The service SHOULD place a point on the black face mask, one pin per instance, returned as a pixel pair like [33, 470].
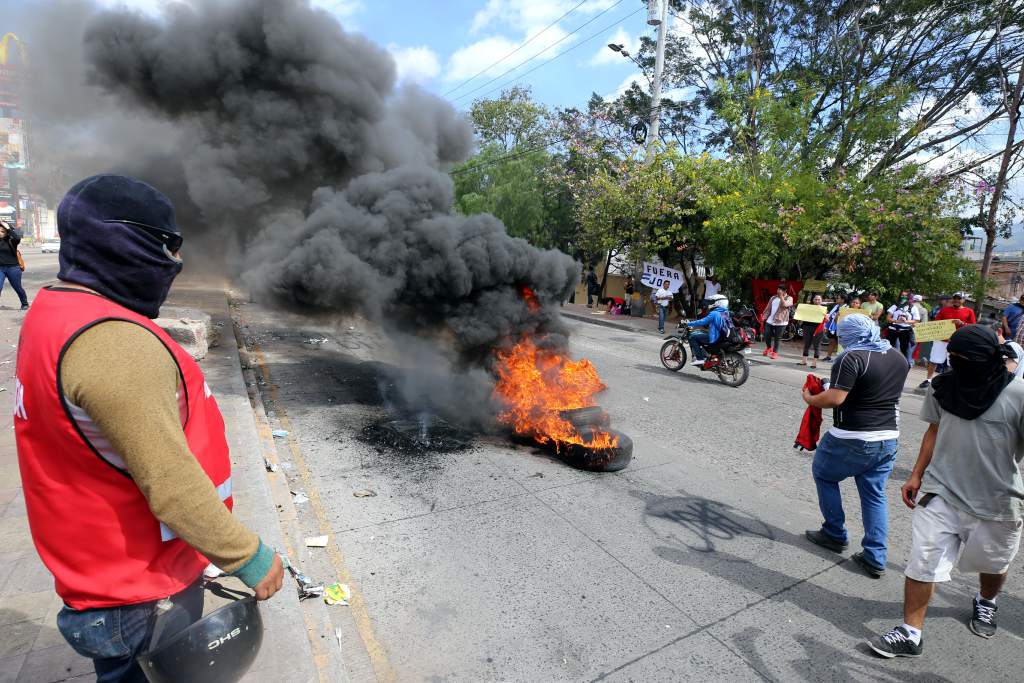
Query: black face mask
[978, 375]
[109, 244]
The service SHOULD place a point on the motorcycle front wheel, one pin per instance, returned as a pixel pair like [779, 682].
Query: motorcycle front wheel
[673, 355]
[733, 369]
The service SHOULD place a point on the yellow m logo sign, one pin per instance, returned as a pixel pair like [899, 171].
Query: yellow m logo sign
[5, 49]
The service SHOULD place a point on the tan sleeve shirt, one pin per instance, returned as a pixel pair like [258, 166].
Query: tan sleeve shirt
[126, 381]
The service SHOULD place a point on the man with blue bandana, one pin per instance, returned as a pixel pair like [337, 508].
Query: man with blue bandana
[864, 393]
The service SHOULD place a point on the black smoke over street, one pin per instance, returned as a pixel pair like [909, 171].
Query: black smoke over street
[286, 141]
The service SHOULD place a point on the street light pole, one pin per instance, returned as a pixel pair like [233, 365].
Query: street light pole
[659, 19]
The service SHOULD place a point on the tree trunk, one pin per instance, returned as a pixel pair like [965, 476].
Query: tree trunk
[1013, 109]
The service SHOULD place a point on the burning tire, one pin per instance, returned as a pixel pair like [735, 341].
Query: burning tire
[581, 418]
[584, 457]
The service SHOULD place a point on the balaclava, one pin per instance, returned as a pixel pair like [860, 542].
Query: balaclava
[109, 228]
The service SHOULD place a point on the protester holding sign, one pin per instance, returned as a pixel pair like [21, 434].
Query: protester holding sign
[811, 317]
[903, 315]
[960, 315]
[776, 317]
[830, 325]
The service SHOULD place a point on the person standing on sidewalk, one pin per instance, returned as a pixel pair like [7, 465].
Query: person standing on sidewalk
[124, 462]
[864, 393]
[831, 323]
[1013, 317]
[776, 318]
[593, 286]
[966, 489]
[922, 312]
[10, 267]
[873, 307]
[663, 296]
[960, 315]
[902, 316]
[812, 337]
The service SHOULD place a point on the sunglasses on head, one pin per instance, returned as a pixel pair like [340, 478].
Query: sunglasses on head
[171, 240]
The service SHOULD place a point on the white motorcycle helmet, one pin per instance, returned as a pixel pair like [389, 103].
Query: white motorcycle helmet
[719, 301]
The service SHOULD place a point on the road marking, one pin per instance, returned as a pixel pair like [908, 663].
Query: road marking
[382, 668]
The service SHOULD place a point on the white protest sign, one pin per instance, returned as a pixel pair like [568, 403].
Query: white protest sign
[654, 275]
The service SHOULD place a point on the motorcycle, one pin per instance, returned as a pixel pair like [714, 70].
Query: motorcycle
[726, 360]
[746, 319]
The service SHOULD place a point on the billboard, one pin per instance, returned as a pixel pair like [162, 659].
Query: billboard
[12, 143]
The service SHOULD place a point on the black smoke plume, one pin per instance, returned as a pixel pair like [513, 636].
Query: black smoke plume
[287, 139]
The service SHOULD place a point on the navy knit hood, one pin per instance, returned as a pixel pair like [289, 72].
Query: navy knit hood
[100, 248]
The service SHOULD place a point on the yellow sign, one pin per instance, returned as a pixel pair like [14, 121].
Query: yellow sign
[810, 313]
[814, 286]
[843, 312]
[5, 46]
[937, 330]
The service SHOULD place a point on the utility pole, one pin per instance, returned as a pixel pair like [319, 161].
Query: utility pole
[657, 15]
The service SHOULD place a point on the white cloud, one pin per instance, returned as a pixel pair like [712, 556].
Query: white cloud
[627, 83]
[343, 9]
[467, 61]
[531, 15]
[416, 64]
[605, 56]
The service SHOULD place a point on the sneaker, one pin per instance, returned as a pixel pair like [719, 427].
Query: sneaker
[697, 361]
[925, 384]
[896, 643]
[774, 356]
[873, 571]
[819, 537]
[24, 307]
[766, 352]
[983, 623]
[826, 359]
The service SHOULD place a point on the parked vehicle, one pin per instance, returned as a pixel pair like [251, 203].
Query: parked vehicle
[50, 246]
[747, 319]
[725, 358]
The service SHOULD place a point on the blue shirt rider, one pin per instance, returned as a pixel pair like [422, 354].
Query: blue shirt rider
[717, 323]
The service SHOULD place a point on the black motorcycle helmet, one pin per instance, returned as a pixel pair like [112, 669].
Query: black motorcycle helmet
[219, 648]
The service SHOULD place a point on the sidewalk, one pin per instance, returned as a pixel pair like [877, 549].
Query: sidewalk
[31, 648]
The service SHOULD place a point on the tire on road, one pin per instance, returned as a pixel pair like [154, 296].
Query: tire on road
[673, 354]
[594, 416]
[598, 459]
[734, 369]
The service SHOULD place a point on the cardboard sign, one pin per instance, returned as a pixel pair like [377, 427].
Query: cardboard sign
[843, 312]
[654, 275]
[810, 313]
[937, 330]
[815, 286]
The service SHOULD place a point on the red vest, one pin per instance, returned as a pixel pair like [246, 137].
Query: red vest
[90, 522]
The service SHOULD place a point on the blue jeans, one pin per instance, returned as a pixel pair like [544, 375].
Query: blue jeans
[662, 314]
[112, 637]
[697, 342]
[13, 273]
[869, 463]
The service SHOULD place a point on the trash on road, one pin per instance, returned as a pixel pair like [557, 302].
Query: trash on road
[316, 541]
[298, 497]
[316, 341]
[337, 635]
[647, 398]
[271, 466]
[212, 572]
[306, 586]
[364, 493]
[279, 433]
[337, 594]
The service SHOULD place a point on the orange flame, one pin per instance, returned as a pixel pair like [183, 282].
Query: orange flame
[535, 385]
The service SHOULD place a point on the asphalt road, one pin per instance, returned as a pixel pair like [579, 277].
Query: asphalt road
[501, 564]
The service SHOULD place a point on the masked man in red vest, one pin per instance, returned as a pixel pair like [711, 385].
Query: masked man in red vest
[121, 445]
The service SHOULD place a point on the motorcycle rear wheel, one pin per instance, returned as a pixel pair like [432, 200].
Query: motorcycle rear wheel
[733, 369]
[673, 355]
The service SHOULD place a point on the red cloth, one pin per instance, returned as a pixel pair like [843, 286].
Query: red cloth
[810, 426]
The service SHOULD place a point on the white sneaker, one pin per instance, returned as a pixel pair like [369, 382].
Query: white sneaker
[696, 361]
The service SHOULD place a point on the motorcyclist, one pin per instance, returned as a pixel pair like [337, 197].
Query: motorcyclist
[717, 322]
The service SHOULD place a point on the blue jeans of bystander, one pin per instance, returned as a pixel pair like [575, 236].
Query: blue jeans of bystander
[869, 463]
[13, 273]
[113, 637]
[662, 315]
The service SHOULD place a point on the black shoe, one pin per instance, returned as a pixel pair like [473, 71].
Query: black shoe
[983, 623]
[873, 571]
[896, 643]
[819, 537]
[925, 384]
[24, 307]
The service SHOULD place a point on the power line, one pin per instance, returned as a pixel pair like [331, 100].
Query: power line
[531, 39]
[560, 54]
[532, 57]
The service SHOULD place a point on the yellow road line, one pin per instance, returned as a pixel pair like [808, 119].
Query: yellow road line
[361, 616]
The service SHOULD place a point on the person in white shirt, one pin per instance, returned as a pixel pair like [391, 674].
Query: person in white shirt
[663, 295]
[903, 315]
[712, 287]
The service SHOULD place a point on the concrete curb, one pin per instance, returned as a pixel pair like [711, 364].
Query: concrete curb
[604, 323]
